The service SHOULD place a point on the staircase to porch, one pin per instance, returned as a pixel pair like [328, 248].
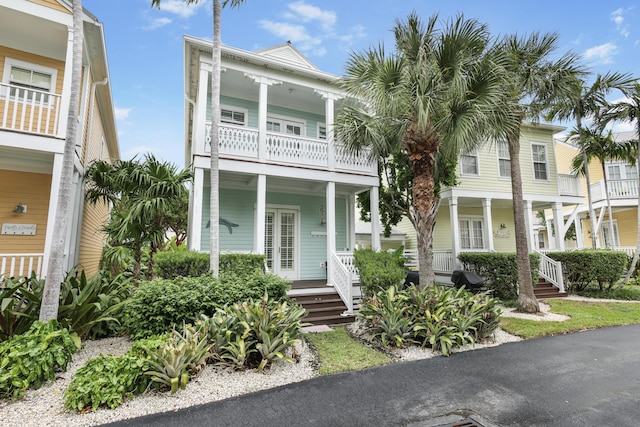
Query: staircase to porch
[545, 289]
[323, 304]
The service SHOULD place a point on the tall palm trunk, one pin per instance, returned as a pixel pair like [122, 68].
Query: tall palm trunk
[609, 212]
[214, 197]
[587, 177]
[55, 270]
[527, 301]
[634, 261]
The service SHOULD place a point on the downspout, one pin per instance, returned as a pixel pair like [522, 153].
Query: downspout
[190, 220]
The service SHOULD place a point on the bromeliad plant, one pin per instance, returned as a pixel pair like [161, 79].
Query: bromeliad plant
[20, 299]
[254, 334]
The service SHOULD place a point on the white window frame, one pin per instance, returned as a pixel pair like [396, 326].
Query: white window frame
[284, 121]
[471, 220]
[472, 153]
[616, 234]
[623, 171]
[12, 62]
[234, 109]
[534, 161]
[319, 127]
[501, 157]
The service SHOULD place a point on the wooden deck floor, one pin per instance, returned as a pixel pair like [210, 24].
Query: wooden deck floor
[308, 284]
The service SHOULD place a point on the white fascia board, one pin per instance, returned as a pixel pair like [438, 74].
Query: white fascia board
[494, 195]
[38, 10]
[33, 142]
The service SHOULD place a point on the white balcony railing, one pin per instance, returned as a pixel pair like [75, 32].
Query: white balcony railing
[551, 270]
[618, 189]
[568, 185]
[29, 110]
[12, 265]
[243, 142]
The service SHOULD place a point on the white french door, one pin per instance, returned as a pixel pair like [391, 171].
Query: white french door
[281, 242]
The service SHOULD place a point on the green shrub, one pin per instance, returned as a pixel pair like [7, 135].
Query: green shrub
[20, 300]
[108, 380]
[172, 264]
[601, 266]
[500, 270]
[438, 317]
[160, 305]
[253, 334]
[378, 270]
[30, 359]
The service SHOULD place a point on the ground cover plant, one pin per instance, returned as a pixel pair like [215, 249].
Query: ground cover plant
[584, 315]
[626, 293]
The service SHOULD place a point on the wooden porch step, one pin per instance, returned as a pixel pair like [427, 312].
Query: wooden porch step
[323, 308]
[544, 290]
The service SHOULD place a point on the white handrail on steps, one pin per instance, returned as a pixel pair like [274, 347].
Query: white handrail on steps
[551, 270]
[342, 282]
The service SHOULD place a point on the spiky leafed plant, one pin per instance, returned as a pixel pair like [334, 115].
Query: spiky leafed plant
[628, 110]
[532, 83]
[214, 198]
[582, 102]
[431, 97]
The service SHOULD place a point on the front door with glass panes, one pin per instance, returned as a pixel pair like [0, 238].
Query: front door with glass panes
[280, 242]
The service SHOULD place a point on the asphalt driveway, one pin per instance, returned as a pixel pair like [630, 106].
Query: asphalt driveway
[589, 378]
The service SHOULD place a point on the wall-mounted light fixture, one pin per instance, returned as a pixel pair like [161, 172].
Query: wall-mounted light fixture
[20, 208]
[323, 221]
[503, 226]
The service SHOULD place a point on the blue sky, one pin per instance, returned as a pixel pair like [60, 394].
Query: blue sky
[144, 44]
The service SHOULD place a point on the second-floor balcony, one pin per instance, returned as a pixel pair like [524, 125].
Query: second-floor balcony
[28, 110]
[568, 185]
[244, 143]
[618, 189]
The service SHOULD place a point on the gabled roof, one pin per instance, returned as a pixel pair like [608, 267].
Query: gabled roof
[286, 52]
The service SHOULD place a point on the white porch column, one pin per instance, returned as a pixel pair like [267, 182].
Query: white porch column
[66, 89]
[199, 126]
[552, 241]
[194, 235]
[455, 231]
[331, 226]
[559, 222]
[329, 111]
[579, 232]
[263, 83]
[528, 220]
[486, 212]
[56, 174]
[375, 218]
[351, 221]
[261, 210]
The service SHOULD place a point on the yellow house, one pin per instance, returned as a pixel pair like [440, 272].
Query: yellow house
[36, 41]
[622, 183]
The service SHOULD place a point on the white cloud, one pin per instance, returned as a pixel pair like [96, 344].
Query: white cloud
[602, 54]
[297, 34]
[157, 23]
[122, 113]
[306, 13]
[180, 8]
[618, 18]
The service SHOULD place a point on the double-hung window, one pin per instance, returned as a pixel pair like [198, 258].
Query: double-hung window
[504, 160]
[471, 233]
[29, 82]
[322, 131]
[540, 169]
[469, 163]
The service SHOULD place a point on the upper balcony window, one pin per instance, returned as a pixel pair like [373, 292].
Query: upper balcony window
[29, 82]
[286, 126]
[540, 167]
[233, 116]
[504, 160]
[469, 163]
[322, 131]
[616, 172]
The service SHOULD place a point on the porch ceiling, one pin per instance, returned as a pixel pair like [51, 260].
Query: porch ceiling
[25, 160]
[501, 203]
[26, 32]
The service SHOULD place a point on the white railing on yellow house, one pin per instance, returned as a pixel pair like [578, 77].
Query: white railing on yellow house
[443, 260]
[13, 265]
[29, 110]
[243, 142]
[551, 270]
[618, 189]
[568, 185]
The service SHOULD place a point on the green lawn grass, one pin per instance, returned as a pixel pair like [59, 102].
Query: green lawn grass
[584, 315]
[339, 352]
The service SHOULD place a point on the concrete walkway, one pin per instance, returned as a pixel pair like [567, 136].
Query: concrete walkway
[589, 378]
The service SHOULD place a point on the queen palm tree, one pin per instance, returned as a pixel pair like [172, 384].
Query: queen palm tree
[532, 83]
[55, 269]
[582, 102]
[214, 197]
[629, 111]
[429, 98]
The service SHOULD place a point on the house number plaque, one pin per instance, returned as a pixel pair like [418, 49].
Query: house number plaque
[19, 229]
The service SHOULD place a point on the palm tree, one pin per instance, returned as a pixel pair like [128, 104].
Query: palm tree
[596, 145]
[629, 111]
[581, 102]
[143, 195]
[55, 270]
[431, 97]
[214, 198]
[532, 83]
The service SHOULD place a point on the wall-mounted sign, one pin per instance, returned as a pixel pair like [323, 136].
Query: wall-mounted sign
[19, 229]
